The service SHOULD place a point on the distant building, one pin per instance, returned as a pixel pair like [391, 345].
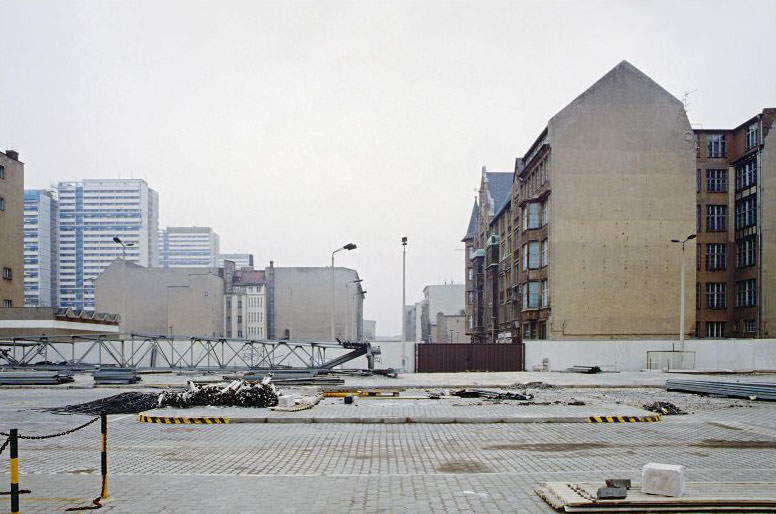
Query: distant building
[370, 329]
[409, 322]
[41, 257]
[163, 301]
[240, 260]
[189, 247]
[91, 213]
[451, 328]
[11, 230]
[245, 304]
[445, 299]
[300, 303]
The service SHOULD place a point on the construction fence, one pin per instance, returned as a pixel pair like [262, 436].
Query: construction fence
[451, 357]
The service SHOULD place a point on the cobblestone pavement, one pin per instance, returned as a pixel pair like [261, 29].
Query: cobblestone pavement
[364, 468]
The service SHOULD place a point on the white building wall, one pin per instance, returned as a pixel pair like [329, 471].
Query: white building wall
[40, 243]
[189, 247]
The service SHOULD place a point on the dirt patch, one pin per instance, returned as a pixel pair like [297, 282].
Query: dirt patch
[548, 447]
[724, 443]
[722, 425]
[463, 466]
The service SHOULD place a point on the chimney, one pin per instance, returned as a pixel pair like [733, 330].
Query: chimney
[12, 154]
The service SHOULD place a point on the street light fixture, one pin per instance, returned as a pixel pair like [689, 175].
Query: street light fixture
[124, 246]
[349, 246]
[681, 291]
[403, 303]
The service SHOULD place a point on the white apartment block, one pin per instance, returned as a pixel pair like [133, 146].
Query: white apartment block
[40, 248]
[189, 247]
[91, 213]
[245, 312]
[240, 260]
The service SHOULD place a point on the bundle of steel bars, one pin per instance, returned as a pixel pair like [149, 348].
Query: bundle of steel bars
[749, 390]
[109, 375]
[35, 377]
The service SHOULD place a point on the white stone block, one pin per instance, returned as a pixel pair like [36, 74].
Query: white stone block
[663, 479]
[286, 400]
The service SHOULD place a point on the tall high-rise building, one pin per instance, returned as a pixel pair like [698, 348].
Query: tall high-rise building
[41, 212]
[240, 260]
[188, 247]
[92, 213]
[11, 230]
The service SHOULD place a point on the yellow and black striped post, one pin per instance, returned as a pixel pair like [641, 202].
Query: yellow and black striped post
[14, 471]
[104, 453]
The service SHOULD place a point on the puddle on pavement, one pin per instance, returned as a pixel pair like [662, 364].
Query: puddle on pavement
[548, 447]
[463, 466]
[724, 443]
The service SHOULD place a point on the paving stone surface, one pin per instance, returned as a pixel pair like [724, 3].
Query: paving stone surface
[364, 468]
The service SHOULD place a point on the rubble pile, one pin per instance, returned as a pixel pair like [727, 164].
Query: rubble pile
[666, 408]
[237, 393]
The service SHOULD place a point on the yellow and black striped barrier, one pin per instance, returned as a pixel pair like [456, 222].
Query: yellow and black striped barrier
[142, 418]
[14, 435]
[104, 454]
[623, 419]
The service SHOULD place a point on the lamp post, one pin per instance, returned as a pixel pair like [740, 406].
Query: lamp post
[403, 303]
[124, 246]
[681, 292]
[349, 246]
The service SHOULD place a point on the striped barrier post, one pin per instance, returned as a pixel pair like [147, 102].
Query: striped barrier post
[14, 471]
[104, 453]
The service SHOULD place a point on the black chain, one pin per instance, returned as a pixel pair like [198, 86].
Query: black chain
[8, 440]
[55, 435]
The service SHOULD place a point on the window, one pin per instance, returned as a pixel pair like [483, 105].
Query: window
[698, 257]
[542, 330]
[698, 219]
[746, 291]
[7, 273]
[531, 215]
[545, 298]
[2, 203]
[746, 175]
[544, 252]
[698, 180]
[2, 172]
[470, 297]
[471, 322]
[698, 303]
[525, 257]
[544, 213]
[716, 256]
[715, 145]
[716, 181]
[471, 273]
[716, 218]
[745, 252]
[716, 295]
[750, 326]
[533, 254]
[715, 329]
[471, 252]
[746, 212]
[751, 135]
[7, 303]
[533, 295]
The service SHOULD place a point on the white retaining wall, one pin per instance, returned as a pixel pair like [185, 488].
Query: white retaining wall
[735, 354]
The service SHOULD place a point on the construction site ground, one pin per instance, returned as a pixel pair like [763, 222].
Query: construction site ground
[403, 467]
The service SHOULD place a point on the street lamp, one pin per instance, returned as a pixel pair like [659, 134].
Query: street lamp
[403, 303]
[349, 246]
[124, 246]
[681, 292]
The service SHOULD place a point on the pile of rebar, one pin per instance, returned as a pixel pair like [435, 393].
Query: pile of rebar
[238, 393]
[110, 375]
[125, 403]
[751, 390]
[35, 377]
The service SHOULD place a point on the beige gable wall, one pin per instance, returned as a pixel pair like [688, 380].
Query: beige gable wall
[623, 184]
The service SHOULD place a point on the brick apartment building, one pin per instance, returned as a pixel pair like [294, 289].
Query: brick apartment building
[11, 230]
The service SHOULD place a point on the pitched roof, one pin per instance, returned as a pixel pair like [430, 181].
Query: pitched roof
[472, 223]
[499, 187]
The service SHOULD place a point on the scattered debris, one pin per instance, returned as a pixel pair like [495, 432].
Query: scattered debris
[584, 369]
[536, 385]
[491, 395]
[238, 393]
[667, 408]
[618, 482]
[124, 403]
[35, 377]
[304, 403]
[611, 493]
[574, 401]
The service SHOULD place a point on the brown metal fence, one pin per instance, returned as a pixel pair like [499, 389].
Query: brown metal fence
[444, 357]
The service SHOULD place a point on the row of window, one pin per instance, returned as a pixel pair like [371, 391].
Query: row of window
[716, 254]
[718, 329]
[716, 215]
[716, 294]
[534, 215]
[535, 254]
[535, 295]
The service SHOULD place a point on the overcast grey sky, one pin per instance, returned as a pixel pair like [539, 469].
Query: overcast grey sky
[292, 128]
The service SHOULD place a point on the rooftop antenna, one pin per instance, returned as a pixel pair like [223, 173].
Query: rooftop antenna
[685, 98]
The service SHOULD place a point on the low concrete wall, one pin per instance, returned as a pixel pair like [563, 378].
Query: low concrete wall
[735, 354]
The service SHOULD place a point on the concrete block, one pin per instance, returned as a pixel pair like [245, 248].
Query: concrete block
[286, 400]
[663, 479]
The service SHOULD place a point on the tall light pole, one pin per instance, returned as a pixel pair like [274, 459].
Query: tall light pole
[349, 246]
[124, 246]
[403, 303]
[681, 292]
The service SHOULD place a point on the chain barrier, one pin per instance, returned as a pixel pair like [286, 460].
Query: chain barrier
[7, 440]
[60, 434]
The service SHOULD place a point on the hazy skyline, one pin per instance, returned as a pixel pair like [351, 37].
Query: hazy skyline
[292, 128]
